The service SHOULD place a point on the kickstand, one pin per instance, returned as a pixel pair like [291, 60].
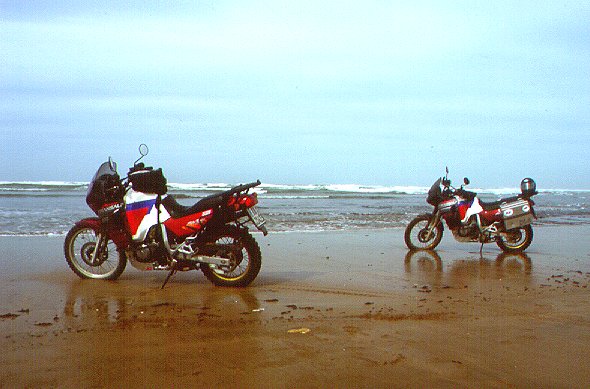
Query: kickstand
[172, 271]
[481, 251]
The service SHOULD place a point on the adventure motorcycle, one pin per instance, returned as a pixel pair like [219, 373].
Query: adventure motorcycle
[506, 222]
[139, 222]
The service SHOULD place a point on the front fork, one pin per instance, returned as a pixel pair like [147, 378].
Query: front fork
[99, 248]
[429, 230]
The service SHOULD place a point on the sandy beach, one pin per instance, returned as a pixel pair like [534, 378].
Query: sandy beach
[328, 309]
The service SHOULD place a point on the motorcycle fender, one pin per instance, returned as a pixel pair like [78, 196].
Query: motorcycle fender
[119, 238]
[90, 222]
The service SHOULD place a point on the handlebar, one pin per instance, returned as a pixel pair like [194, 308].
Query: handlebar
[466, 193]
[139, 166]
[449, 190]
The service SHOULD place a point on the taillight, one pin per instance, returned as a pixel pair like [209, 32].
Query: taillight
[248, 200]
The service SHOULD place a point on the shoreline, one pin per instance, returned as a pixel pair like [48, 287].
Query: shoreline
[540, 222]
[362, 311]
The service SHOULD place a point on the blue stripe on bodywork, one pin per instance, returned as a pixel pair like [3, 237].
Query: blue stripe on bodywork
[140, 205]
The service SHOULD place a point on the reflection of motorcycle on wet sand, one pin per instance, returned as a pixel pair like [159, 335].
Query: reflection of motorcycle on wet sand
[87, 305]
[429, 261]
[425, 272]
[424, 260]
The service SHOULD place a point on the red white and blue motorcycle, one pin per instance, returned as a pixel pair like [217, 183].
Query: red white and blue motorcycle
[138, 222]
[507, 222]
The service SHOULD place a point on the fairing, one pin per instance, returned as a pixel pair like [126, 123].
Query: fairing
[435, 193]
[141, 213]
[104, 187]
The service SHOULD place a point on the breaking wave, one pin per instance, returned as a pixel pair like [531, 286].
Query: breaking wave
[51, 207]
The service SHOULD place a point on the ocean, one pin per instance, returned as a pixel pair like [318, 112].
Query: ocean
[51, 208]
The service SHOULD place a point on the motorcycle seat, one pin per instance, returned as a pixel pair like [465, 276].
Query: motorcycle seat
[177, 210]
[491, 205]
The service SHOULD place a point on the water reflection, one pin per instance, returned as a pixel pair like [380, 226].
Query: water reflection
[86, 299]
[426, 266]
[515, 262]
[89, 302]
[173, 328]
[423, 260]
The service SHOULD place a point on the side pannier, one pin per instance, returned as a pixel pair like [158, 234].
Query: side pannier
[516, 214]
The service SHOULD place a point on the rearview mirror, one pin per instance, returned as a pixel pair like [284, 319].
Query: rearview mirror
[143, 149]
[112, 165]
[466, 181]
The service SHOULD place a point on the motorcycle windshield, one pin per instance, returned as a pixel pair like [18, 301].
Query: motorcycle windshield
[106, 169]
[435, 193]
[102, 188]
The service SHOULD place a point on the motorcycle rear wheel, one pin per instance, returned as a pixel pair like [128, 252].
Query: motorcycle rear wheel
[78, 248]
[416, 231]
[519, 239]
[245, 259]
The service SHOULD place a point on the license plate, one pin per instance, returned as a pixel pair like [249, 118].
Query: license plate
[257, 219]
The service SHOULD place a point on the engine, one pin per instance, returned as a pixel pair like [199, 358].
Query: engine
[148, 251]
[467, 233]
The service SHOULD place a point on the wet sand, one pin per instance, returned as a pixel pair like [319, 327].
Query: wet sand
[330, 309]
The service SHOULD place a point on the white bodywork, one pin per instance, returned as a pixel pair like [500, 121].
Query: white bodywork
[151, 218]
[474, 209]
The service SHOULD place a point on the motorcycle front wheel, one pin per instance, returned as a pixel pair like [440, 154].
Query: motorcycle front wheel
[416, 235]
[245, 259]
[78, 248]
[516, 240]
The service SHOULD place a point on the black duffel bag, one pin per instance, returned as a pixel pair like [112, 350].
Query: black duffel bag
[149, 181]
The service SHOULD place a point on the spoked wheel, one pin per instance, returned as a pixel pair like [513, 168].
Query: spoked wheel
[245, 259]
[418, 237]
[79, 247]
[516, 240]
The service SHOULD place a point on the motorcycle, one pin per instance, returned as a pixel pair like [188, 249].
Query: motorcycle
[507, 222]
[137, 221]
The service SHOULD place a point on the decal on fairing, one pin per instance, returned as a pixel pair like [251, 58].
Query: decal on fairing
[137, 211]
[189, 224]
[473, 209]
[142, 213]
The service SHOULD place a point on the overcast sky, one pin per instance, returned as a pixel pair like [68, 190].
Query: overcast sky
[366, 92]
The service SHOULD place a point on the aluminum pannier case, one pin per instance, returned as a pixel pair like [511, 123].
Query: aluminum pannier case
[516, 214]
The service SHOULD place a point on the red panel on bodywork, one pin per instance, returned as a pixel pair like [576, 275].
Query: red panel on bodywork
[188, 224]
[491, 216]
[117, 235]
